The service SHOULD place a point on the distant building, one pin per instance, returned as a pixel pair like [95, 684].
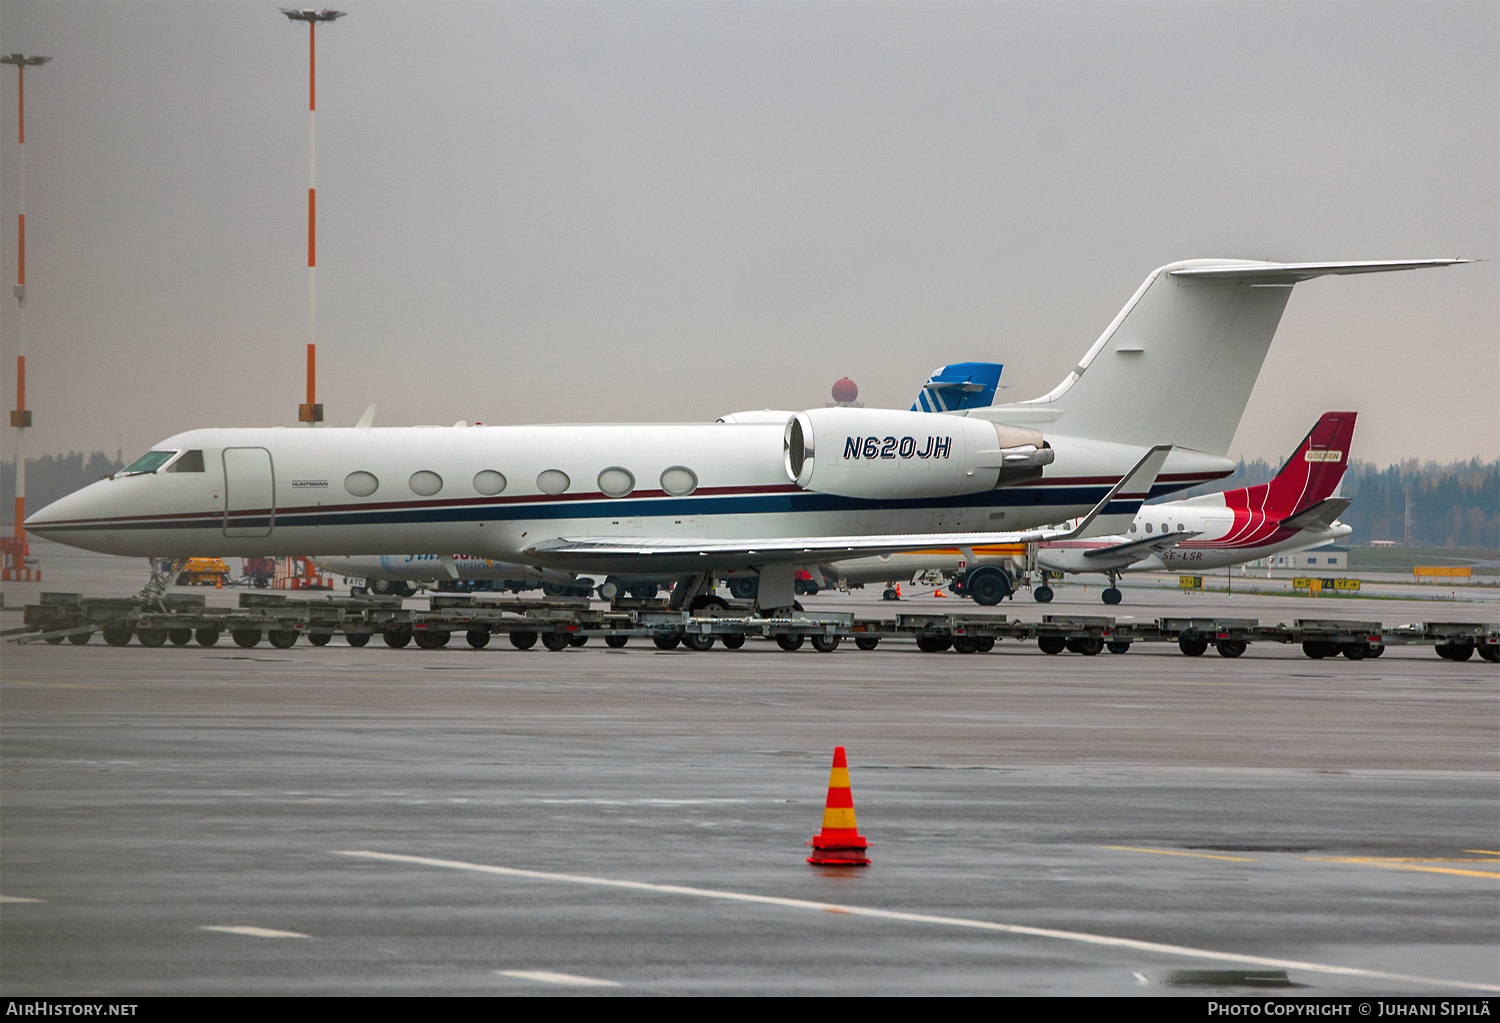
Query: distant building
[1322, 558]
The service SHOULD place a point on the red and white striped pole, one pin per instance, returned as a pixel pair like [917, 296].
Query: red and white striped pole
[21, 417]
[311, 412]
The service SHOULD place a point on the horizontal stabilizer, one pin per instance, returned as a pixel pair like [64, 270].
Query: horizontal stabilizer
[1122, 554]
[1293, 273]
[1319, 516]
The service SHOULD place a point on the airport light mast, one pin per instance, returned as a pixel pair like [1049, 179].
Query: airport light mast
[311, 412]
[15, 547]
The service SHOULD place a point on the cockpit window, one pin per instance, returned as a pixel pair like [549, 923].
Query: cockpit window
[149, 462]
[191, 461]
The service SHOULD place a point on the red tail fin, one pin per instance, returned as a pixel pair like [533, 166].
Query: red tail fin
[1311, 474]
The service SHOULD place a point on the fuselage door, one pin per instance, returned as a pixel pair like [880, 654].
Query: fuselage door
[249, 492]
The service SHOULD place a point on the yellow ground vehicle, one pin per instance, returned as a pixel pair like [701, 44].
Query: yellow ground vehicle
[204, 572]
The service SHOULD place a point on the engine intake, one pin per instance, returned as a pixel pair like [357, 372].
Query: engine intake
[887, 453]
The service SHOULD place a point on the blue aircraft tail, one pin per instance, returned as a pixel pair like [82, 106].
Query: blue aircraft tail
[959, 386]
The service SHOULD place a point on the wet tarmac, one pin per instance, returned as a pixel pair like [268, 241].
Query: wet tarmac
[341, 820]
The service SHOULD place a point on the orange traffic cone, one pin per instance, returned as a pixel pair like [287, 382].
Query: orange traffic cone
[839, 844]
[938, 593]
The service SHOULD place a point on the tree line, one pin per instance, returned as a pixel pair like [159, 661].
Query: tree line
[1453, 505]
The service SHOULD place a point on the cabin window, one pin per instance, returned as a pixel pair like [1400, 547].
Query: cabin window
[1312, 561]
[553, 481]
[489, 482]
[425, 483]
[1165, 528]
[1132, 527]
[616, 482]
[1148, 527]
[1182, 527]
[361, 484]
[149, 462]
[679, 481]
[191, 461]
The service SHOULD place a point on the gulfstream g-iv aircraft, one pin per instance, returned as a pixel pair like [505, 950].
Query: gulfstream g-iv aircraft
[1296, 510]
[1172, 371]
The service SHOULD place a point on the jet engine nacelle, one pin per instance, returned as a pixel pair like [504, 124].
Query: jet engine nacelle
[887, 453]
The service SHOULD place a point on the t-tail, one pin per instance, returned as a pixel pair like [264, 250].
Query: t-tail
[1311, 475]
[1179, 361]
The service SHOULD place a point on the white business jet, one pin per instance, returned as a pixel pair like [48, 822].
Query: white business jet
[1151, 407]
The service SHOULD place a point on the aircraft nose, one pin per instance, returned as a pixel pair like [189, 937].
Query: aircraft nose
[70, 512]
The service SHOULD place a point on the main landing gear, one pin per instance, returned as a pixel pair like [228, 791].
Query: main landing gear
[1112, 595]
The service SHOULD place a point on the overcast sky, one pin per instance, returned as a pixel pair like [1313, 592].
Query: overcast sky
[559, 212]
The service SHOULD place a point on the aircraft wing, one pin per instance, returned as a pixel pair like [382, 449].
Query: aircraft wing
[689, 554]
[1121, 554]
[1318, 516]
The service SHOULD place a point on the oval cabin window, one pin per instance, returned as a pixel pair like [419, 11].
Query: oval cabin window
[616, 482]
[425, 483]
[361, 484]
[489, 482]
[553, 481]
[679, 481]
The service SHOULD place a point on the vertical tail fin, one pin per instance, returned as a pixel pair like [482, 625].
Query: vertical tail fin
[962, 385]
[1179, 361]
[1312, 474]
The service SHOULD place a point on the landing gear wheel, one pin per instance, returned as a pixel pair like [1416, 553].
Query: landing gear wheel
[179, 637]
[319, 638]
[1193, 647]
[81, 638]
[1051, 644]
[1231, 647]
[556, 640]
[789, 641]
[1043, 594]
[889, 594]
[733, 641]
[283, 639]
[1118, 646]
[743, 587]
[523, 640]
[246, 638]
[699, 641]
[645, 591]
[867, 642]
[151, 637]
[987, 586]
[478, 638]
[610, 588]
[667, 641]
[703, 601]
[616, 642]
[356, 639]
[825, 644]
[1111, 596]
